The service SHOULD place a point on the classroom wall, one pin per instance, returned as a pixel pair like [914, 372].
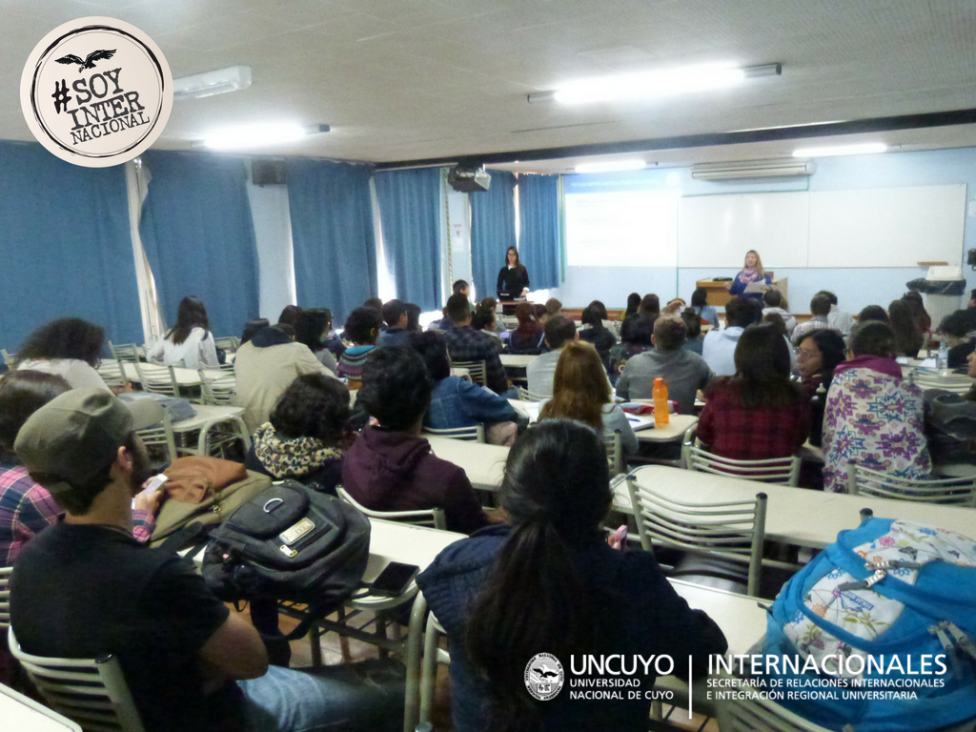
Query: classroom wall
[855, 288]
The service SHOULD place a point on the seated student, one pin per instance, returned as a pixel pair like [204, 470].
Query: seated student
[560, 330]
[460, 287]
[950, 428]
[908, 338]
[553, 307]
[483, 320]
[718, 348]
[874, 416]
[581, 391]
[413, 318]
[189, 341]
[957, 331]
[464, 343]
[313, 328]
[776, 320]
[390, 467]
[650, 307]
[674, 307]
[922, 318]
[820, 352]
[695, 339]
[69, 347]
[595, 331]
[374, 303]
[525, 339]
[490, 303]
[773, 302]
[179, 646]
[838, 319]
[289, 316]
[683, 372]
[305, 437]
[362, 329]
[457, 402]
[635, 337]
[633, 306]
[443, 323]
[541, 316]
[26, 507]
[758, 413]
[699, 303]
[252, 327]
[547, 579]
[873, 312]
[820, 308]
[265, 366]
[396, 333]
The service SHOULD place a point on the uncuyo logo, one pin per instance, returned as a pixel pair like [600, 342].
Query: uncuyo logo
[544, 676]
[96, 92]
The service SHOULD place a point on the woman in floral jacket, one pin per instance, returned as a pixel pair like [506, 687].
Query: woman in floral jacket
[873, 416]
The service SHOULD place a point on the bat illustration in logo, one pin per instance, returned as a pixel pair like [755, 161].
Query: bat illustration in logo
[90, 59]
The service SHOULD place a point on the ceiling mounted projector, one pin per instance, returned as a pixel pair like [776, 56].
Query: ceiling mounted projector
[469, 179]
[753, 169]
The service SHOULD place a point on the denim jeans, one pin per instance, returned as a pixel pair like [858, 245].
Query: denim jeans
[359, 697]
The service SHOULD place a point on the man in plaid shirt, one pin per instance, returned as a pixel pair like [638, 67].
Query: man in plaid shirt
[464, 343]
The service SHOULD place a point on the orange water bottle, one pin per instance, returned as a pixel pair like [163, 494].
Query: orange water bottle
[660, 395]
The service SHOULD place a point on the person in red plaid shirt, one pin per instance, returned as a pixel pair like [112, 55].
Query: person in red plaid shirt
[758, 413]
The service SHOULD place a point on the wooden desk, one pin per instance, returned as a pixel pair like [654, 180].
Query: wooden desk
[718, 296]
[793, 515]
[484, 464]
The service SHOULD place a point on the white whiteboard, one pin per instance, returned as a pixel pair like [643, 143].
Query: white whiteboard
[887, 227]
[625, 229]
[717, 231]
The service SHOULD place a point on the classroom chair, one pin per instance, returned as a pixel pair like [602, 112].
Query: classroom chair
[476, 370]
[615, 455]
[694, 456]
[727, 534]
[867, 482]
[9, 359]
[160, 436]
[475, 433]
[433, 655]
[218, 392]
[432, 517]
[112, 374]
[5, 573]
[125, 352]
[157, 379]
[527, 396]
[90, 691]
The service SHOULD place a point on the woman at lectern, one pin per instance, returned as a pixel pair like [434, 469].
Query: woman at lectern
[513, 279]
[751, 273]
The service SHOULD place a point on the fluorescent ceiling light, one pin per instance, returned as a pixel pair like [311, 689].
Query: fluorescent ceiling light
[866, 148]
[611, 167]
[210, 83]
[246, 136]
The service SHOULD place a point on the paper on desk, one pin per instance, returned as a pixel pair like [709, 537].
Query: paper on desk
[638, 422]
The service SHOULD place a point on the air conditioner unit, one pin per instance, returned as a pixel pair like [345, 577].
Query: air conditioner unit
[753, 169]
[209, 83]
[468, 179]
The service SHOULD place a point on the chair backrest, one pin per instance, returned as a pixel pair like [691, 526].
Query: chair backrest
[469, 434]
[91, 691]
[751, 712]
[8, 358]
[527, 396]
[157, 379]
[228, 343]
[428, 517]
[957, 491]
[160, 435]
[126, 352]
[775, 470]
[433, 655]
[614, 454]
[112, 374]
[476, 370]
[5, 573]
[220, 392]
[732, 530]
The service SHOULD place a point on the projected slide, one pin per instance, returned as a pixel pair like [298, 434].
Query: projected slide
[622, 229]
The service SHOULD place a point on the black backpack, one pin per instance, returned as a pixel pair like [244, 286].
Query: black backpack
[289, 543]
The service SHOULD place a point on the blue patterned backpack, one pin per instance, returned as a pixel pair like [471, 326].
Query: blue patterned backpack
[886, 612]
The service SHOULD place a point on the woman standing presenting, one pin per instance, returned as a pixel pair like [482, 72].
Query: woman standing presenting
[752, 272]
[513, 279]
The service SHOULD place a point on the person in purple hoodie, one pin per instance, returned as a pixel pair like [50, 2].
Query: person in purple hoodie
[390, 467]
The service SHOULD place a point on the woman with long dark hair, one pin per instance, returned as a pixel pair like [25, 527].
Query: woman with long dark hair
[908, 337]
[312, 328]
[595, 332]
[513, 278]
[70, 348]
[529, 334]
[758, 413]
[548, 582]
[189, 341]
[819, 353]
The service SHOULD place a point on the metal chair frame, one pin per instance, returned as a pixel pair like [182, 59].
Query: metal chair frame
[953, 491]
[527, 396]
[468, 434]
[476, 370]
[431, 517]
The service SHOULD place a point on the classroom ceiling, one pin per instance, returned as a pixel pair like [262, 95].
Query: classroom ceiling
[402, 80]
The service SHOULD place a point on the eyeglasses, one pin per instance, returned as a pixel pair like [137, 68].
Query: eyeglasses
[806, 354]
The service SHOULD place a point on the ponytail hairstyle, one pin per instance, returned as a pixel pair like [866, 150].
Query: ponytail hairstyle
[556, 491]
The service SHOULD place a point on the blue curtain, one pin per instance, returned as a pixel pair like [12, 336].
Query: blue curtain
[410, 211]
[332, 233]
[539, 224]
[199, 237]
[65, 244]
[492, 231]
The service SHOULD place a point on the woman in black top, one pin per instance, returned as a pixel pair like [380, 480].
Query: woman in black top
[513, 279]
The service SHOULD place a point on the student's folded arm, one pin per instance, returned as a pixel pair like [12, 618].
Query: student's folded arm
[483, 406]
[236, 650]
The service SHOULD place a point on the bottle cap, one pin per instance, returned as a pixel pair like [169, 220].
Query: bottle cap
[659, 380]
